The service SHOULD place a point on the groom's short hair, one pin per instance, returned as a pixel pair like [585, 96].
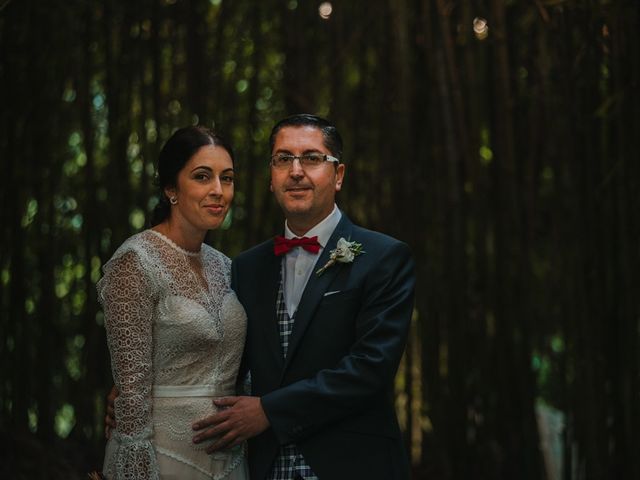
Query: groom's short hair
[332, 139]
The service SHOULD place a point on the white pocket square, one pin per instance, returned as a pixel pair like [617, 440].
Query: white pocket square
[331, 293]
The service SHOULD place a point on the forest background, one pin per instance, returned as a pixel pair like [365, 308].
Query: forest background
[496, 137]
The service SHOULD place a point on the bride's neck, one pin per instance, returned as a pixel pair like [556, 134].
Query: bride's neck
[189, 239]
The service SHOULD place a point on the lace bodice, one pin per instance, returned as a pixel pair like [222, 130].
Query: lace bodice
[171, 320]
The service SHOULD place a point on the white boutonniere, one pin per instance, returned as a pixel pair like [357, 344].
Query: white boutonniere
[344, 252]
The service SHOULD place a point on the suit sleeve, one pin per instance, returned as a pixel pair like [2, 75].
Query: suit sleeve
[304, 407]
[243, 381]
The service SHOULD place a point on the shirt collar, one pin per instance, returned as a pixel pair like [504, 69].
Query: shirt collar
[322, 230]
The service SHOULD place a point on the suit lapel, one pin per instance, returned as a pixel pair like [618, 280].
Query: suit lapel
[316, 288]
[266, 298]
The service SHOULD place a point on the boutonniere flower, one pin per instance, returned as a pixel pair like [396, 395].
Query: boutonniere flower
[344, 252]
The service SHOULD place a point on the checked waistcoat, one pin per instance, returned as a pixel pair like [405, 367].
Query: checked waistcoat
[289, 464]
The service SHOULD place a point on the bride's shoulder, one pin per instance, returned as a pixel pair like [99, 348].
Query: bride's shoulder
[134, 242]
[131, 259]
[139, 246]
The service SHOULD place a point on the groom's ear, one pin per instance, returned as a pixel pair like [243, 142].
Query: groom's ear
[339, 176]
[271, 187]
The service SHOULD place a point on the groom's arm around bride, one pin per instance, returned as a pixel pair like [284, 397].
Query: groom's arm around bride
[323, 378]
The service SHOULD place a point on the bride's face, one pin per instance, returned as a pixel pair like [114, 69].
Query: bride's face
[204, 189]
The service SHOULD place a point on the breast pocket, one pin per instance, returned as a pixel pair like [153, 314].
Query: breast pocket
[334, 324]
[340, 297]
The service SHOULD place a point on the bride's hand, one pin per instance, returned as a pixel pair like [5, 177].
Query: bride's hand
[239, 419]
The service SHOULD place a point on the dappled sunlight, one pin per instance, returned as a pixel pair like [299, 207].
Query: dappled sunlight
[480, 28]
[325, 10]
[497, 139]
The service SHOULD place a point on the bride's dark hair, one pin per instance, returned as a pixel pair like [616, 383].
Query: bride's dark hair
[180, 147]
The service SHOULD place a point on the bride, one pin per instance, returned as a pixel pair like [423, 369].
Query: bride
[175, 329]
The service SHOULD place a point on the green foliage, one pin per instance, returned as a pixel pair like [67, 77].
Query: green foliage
[507, 162]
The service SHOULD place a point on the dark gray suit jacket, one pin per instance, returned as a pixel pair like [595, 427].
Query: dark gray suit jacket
[333, 395]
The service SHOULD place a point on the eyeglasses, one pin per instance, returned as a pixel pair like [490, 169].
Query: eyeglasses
[307, 160]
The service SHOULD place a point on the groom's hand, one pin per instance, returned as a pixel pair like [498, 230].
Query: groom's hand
[239, 419]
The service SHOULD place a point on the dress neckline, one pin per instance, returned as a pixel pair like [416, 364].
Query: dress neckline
[174, 245]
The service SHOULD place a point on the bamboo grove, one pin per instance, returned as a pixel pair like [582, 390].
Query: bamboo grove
[496, 137]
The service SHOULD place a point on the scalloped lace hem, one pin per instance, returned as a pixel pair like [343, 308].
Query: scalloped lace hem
[237, 459]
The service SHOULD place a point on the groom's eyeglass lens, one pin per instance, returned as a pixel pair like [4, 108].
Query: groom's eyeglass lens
[308, 160]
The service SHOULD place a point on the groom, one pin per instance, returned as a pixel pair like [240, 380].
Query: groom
[324, 336]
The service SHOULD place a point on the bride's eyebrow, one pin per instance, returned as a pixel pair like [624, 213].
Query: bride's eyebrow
[203, 167]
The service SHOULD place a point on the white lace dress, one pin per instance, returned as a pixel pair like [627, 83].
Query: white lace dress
[175, 333]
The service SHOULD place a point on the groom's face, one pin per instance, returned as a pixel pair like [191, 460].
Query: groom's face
[306, 195]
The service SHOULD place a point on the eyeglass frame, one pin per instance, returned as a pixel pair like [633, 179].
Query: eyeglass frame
[327, 158]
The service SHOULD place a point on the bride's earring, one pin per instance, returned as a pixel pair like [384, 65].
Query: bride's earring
[173, 200]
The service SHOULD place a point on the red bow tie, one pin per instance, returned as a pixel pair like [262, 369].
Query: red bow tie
[283, 245]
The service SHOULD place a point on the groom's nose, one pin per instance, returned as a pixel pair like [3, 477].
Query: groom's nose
[296, 170]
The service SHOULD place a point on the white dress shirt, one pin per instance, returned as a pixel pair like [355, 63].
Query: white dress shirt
[298, 264]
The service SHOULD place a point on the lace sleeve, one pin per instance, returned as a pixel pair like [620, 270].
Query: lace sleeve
[127, 297]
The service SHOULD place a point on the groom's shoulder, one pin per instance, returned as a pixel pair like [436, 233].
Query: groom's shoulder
[376, 241]
[259, 251]
[385, 255]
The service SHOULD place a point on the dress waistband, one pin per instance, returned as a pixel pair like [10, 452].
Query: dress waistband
[161, 391]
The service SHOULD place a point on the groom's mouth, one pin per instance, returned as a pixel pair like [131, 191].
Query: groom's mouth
[298, 188]
[297, 192]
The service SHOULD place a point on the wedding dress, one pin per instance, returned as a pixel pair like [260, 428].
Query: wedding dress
[175, 331]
